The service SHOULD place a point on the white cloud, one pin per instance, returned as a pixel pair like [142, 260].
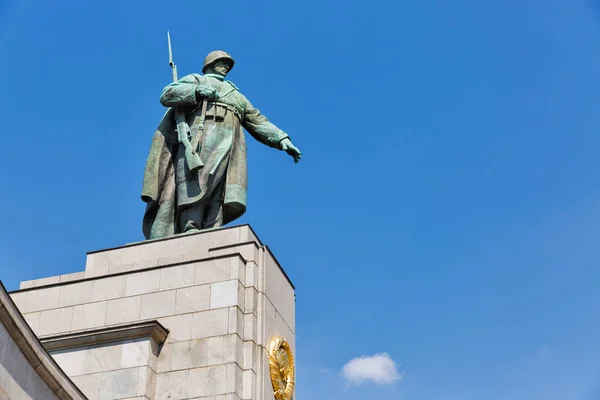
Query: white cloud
[379, 368]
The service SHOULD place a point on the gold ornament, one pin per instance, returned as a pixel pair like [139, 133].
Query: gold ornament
[281, 364]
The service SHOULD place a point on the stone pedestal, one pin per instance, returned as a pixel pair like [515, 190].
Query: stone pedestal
[187, 317]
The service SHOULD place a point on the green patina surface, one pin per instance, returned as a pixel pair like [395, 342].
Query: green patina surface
[181, 200]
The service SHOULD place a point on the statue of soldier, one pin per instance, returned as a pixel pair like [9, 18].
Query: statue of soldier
[182, 200]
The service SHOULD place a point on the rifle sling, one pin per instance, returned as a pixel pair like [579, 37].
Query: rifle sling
[196, 139]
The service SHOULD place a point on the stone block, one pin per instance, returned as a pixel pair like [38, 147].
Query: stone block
[119, 269]
[51, 280]
[210, 323]
[95, 272]
[215, 347]
[119, 384]
[224, 294]
[237, 269]
[190, 354]
[250, 327]
[207, 381]
[251, 353]
[172, 385]
[228, 396]
[27, 284]
[248, 384]
[5, 341]
[248, 252]
[135, 353]
[179, 326]
[193, 247]
[33, 320]
[142, 282]
[154, 353]
[234, 382]
[233, 349]
[192, 299]
[87, 316]
[14, 371]
[88, 384]
[250, 301]
[147, 383]
[224, 237]
[282, 329]
[279, 290]
[236, 321]
[268, 320]
[20, 300]
[102, 358]
[75, 276]
[211, 271]
[251, 275]
[165, 357]
[129, 257]
[264, 376]
[157, 305]
[177, 277]
[181, 358]
[55, 321]
[41, 299]
[75, 293]
[171, 259]
[123, 310]
[247, 235]
[102, 260]
[109, 288]
[71, 361]
[35, 388]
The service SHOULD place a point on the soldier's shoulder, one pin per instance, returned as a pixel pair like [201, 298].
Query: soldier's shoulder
[233, 85]
[191, 78]
[195, 76]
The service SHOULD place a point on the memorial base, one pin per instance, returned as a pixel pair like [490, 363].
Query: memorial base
[186, 317]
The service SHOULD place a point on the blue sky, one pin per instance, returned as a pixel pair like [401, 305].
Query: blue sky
[446, 212]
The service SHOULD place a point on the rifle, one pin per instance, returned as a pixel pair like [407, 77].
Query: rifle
[192, 158]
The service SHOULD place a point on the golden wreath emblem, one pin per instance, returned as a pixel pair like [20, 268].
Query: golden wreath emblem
[281, 364]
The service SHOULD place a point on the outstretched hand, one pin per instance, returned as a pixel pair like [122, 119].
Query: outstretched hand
[288, 147]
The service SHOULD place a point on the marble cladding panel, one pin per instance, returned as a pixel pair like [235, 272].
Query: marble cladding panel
[222, 382]
[279, 290]
[198, 353]
[18, 379]
[150, 294]
[162, 252]
[120, 370]
[149, 254]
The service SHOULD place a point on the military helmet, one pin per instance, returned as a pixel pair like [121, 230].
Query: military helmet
[215, 56]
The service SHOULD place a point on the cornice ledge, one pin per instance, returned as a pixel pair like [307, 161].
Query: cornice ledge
[114, 333]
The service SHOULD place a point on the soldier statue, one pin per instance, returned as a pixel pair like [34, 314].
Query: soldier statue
[185, 197]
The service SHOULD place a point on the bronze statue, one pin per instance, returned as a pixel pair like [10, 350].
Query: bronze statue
[195, 176]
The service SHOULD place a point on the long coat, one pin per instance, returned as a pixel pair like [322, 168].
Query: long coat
[169, 185]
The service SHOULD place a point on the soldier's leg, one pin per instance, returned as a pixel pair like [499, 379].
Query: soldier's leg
[190, 218]
[213, 210]
[213, 215]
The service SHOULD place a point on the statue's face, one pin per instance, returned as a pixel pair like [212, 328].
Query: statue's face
[221, 67]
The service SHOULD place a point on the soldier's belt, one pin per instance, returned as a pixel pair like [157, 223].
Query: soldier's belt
[217, 110]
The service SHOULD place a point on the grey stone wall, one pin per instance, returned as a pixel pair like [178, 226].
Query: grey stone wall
[18, 378]
[221, 294]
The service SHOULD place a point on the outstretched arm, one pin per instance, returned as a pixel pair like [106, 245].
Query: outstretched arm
[267, 133]
[188, 91]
